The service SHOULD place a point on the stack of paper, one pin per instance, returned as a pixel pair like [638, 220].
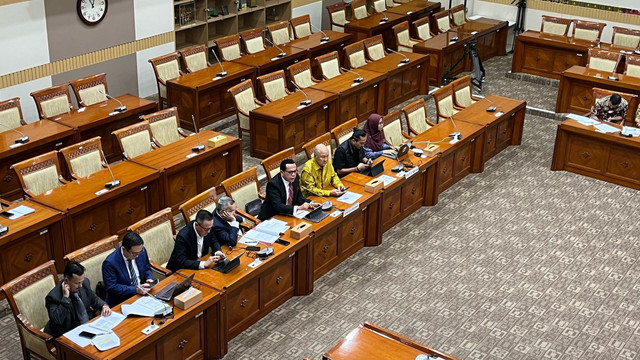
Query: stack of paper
[144, 306]
[267, 232]
[349, 197]
[606, 128]
[583, 119]
[20, 211]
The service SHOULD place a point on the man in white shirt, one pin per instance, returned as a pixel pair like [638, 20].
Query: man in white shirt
[194, 241]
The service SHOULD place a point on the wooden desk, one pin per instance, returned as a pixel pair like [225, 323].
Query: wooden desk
[608, 157]
[403, 82]
[194, 333]
[575, 94]
[95, 120]
[44, 136]
[371, 342]
[281, 124]
[207, 100]
[416, 9]
[371, 25]
[90, 217]
[266, 61]
[185, 175]
[312, 45]
[360, 100]
[491, 36]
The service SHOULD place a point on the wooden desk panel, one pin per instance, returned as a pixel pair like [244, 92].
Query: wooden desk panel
[44, 136]
[207, 100]
[491, 36]
[281, 124]
[266, 61]
[95, 120]
[371, 25]
[314, 47]
[416, 9]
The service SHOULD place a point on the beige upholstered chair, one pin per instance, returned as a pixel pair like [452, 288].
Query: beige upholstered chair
[301, 26]
[632, 101]
[354, 56]
[359, 9]
[300, 73]
[342, 132]
[90, 90]
[253, 40]
[53, 101]
[462, 92]
[379, 6]
[273, 85]
[390, 4]
[271, 165]
[11, 114]
[423, 30]
[458, 16]
[194, 58]
[206, 200]
[157, 231]
[25, 296]
[555, 25]
[134, 139]
[229, 47]
[632, 66]
[92, 256]
[416, 115]
[245, 100]
[279, 32]
[243, 187]
[445, 107]
[403, 40]
[442, 21]
[39, 174]
[393, 133]
[587, 30]
[165, 67]
[329, 65]
[629, 38]
[84, 158]
[322, 139]
[375, 47]
[337, 16]
[165, 126]
[602, 60]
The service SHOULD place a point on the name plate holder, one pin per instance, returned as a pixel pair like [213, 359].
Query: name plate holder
[411, 172]
[351, 209]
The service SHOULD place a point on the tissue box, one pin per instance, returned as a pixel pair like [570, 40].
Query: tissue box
[301, 230]
[217, 140]
[187, 299]
[431, 150]
[374, 185]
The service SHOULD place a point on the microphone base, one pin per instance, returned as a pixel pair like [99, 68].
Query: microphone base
[120, 109]
[637, 52]
[613, 78]
[324, 39]
[455, 38]
[404, 61]
[455, 136]
[384, 19]
[22, 140]
[112, 184]
[281, 55]
[358, 80]
[4, 230]
[197, 148]
[305, 102]
[491, 109]
[221, 74]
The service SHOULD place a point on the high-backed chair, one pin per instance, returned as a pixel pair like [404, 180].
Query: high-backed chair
[271, 165]
[329, 65]
[25, 296]
[393, 133]
[229, 47]
[279, 32]
[445, 106]
[458, 16]
[84, 158]
[300, 73]
[157, 231]
[359, 9]
[322, 139]
[206, 200]
[39, 174]
[632, 66]
[337, 16]
[342, 132]
[379, 6]
[404, 41]
[165, 67]
[423, 29]
[253, 40]
[243, 187]
[625, 37]
[11, 114]
[92, 256]
[194, 58]
[416, 115]
[375, 47]
[390, 4]
[443, 23]
[632, 101]
[301, 26]
[602, 60]
[462, 92]
[587, 30]
[134, 139]
[53, 101]
[354, 56]
[245, 99]
[273, 85]
[165, 126]
[555, 25]
[90, 90]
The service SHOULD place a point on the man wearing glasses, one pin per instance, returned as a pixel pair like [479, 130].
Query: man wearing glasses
[194, 241]
[283, 193]
[349, 156]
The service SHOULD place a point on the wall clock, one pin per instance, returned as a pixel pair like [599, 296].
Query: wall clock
[91, 12]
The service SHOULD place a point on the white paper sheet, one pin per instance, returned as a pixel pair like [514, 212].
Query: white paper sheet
[386, 179]
[583, 119]
[106, 341]
[606, 128]
[144, 306]
[74, 336]
[106, 324]
[273, 227]
[349, 197]
[258, 236]
[20, 211]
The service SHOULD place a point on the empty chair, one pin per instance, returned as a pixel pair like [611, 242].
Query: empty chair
[279, 32]
[300, 74]
[165, 67]
[165, 126]
[442, 21]
[92, 256]
[11, 114]
[374, 47]
[632, 66]
[555, 25]
[458, 16]
[329, 65]
[403, 40]
[337, 16]
[271, 165]
[244, 188]
[602, 60]
[84, 158]
[157, 231]
[423, 30]
[245, 100]
[444, 102]
[390, 3]
[416, 115]
[194, 58]
[229, 47]
[392, 129]
[354, 55]
[587, 30]
[39, 174]
[342, 132]
[206, 200]
[462, 92]
[253, 40]
[379, 6]
[629, 38]
[274, 85]
[301, 26]
[134, 139]
[322, 139]
[53, 101]
[359, 9]
[90, 90]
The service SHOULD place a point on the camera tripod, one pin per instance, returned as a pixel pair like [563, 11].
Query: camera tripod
[471, 50]
[519, 26]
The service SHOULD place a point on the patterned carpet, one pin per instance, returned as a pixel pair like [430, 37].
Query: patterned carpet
[517, 262]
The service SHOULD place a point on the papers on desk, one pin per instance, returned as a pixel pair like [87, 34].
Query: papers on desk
[273, 227]
[583, 119]
[106, 324]
[386, 179]
[267, 232]
[20, 211]
[144, 306]
[106, 341]
[606, 128]
[74, 335]
[630, 131]
[300, 214]
[15, 145]
[349, 197]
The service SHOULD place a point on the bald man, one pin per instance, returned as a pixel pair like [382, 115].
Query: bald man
[318, 172]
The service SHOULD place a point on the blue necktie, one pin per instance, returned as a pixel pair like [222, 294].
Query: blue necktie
[134, 278]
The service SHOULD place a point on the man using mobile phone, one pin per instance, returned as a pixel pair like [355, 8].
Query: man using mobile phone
[226, 222]
[194, 241]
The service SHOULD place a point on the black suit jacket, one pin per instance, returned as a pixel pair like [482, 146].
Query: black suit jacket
[276, 202]
[62, 315]
[225, 233]
[185, 250]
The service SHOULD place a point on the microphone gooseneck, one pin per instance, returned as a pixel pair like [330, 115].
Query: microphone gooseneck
[221, 73]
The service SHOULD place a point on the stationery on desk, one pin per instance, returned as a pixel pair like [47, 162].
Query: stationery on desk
[144, 306]
[99, 328]
[20, 211]
[386, 179]
[267, 232]
[349, 197]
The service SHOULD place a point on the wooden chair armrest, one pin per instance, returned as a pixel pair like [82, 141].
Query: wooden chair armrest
[182, 132]
[159, 268]
[315, 80]
[37, 332]
[155, 143]
[4, 203]
[262, 196]
[62, 180]
[258, 102]
[406, 136]
[458, 107]
[414, 39]
[430, 123]
[243, 112]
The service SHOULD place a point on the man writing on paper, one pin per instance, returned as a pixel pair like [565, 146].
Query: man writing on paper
[349, 156]
[612, 108]
[194, 241]
[283, 193]
[318, 172]
[226, 222]
[72, 303]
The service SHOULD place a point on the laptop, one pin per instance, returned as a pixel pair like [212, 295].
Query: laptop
[227, 265]
[316, 215]
[174, 289]
[375, 170]
[402, 151]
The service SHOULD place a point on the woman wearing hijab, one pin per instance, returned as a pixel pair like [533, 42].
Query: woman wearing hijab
[376, 144]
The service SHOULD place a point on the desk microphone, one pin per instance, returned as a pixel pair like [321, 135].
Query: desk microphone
[23, 139]
[282, 53]
[613, 73]
[403, 61]
[325, 38]
[456, 135]
[491, 108]
[221, 73]
[357, 80]
[113, 183]
[120, 108]
[303, 102]
[200, 146]
[385, 18]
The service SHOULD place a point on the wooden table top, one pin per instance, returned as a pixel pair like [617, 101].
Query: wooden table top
[477, 113]
[344, 82]
[391, 63]
[372, 22]
[585, 73]
[288, 105]
[269, 56]
[480, 26]
[440, 131]
[39, 132]
[205, 78]
[42, 217]
[589, 130]
[443, 40]
[414, 6]
[98, 114]
[569, 42]
[312, 42]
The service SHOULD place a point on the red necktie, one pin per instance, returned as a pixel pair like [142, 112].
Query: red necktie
[290, 199]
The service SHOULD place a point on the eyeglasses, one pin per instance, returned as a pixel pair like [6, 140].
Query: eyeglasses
[291, 172]
[204, 228]
[134, 253]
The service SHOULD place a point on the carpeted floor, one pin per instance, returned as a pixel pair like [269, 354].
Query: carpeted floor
[517, 262]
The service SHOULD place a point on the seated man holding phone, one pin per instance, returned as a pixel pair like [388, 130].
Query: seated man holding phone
[193, 242]
[349, 156]
[318, 172]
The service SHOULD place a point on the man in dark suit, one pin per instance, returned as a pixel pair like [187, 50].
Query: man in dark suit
[72, 303]
[127, 271]
[283, 193]
[194, 241]
[226, 222]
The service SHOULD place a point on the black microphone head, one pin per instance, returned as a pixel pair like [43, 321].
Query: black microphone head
[22, 140]
[305, 102]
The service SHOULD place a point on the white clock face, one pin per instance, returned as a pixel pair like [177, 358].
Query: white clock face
[92, 10]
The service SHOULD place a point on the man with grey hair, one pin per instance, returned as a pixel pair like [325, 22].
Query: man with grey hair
[317, 173]
[226, 222]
